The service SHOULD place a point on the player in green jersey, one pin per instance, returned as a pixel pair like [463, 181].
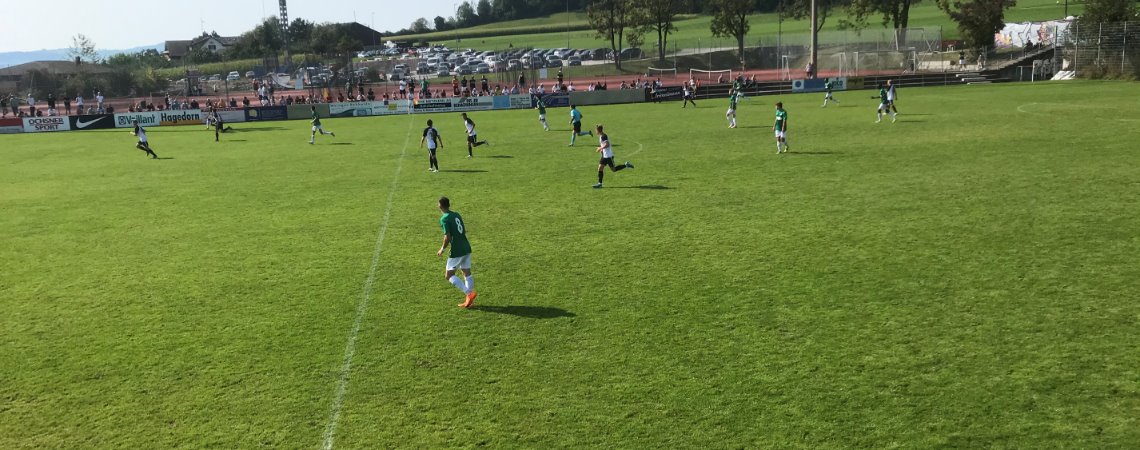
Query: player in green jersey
[884, 106]
[827, 97]
[455, 235]
[541, 107]
[317, 127]
[731, 114]
[781, 128]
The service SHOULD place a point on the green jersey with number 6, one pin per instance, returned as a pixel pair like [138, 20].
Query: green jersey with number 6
[452, 225]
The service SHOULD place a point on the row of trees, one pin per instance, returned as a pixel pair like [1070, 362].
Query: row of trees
[267, 39]
[977, 20]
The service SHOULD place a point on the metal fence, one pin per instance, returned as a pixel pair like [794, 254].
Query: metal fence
[840, 53]
[1101, 49]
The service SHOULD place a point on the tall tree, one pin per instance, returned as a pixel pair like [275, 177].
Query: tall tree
[300, 30]
[977, 20]
[83, 48]
[420, 26]
[659, 18]
[441, 24]
[801, 9]
[611, 18]
[1100, 11]
[730, 19]
[483, 9]
[896, 13]
[465, 15]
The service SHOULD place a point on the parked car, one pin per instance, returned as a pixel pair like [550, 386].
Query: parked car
[482, 68]
[514, 64]
[397, 74]
[233, 76]
[553, 61]
[533, 62]
[574, 61]
[215, 77]
[442, 72]
[463, 69]
[422, 68]
[631, 53]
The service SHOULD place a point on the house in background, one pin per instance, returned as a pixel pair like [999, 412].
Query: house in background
[176, 50]
[22, 77]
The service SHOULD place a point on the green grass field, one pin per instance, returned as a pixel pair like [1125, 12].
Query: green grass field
[964, 278]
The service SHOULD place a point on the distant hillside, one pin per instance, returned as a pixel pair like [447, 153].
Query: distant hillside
[59, 54]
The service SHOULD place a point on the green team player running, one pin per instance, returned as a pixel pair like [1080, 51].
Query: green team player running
[576, 120]
[781, 128]
[827, 97]
[884, 105]
[455, 234]
[541, 107]
[731, 114]
[317, 127]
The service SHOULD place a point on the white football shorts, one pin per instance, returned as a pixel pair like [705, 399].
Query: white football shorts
[462, 262]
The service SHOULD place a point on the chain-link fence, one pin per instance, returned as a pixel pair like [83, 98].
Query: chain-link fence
[840, 53]
[1098, 50]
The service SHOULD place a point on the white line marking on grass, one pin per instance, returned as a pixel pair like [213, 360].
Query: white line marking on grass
[1019, 108]
[350, 348]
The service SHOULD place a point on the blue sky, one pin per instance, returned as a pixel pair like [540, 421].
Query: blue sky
[37, 25]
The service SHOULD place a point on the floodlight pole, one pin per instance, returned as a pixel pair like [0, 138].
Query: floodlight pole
[814, 41]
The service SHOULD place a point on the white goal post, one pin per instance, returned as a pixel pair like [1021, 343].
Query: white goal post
[711, 75]
[655, 72]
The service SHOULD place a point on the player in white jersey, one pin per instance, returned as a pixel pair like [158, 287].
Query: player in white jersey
[607, 151]
[143, 144]
[892, 96]
[688, 93]
[472, 139]
[434, 142]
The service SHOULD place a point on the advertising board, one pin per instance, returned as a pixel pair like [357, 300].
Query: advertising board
[43, 124]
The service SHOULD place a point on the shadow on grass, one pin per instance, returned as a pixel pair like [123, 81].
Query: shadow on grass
[499, 156]
[811, 153]
[234, 140]
[341, 143]
[164, 157]
[648, 187]
[244, 129]
[464, 171]
[529, 312]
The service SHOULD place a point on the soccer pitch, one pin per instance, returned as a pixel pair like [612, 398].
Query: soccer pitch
[964, 278]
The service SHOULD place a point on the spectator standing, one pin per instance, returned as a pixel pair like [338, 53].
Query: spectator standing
[99, 101]
[31, 105]
[51, 105]
[67, 105]
[3, 106]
